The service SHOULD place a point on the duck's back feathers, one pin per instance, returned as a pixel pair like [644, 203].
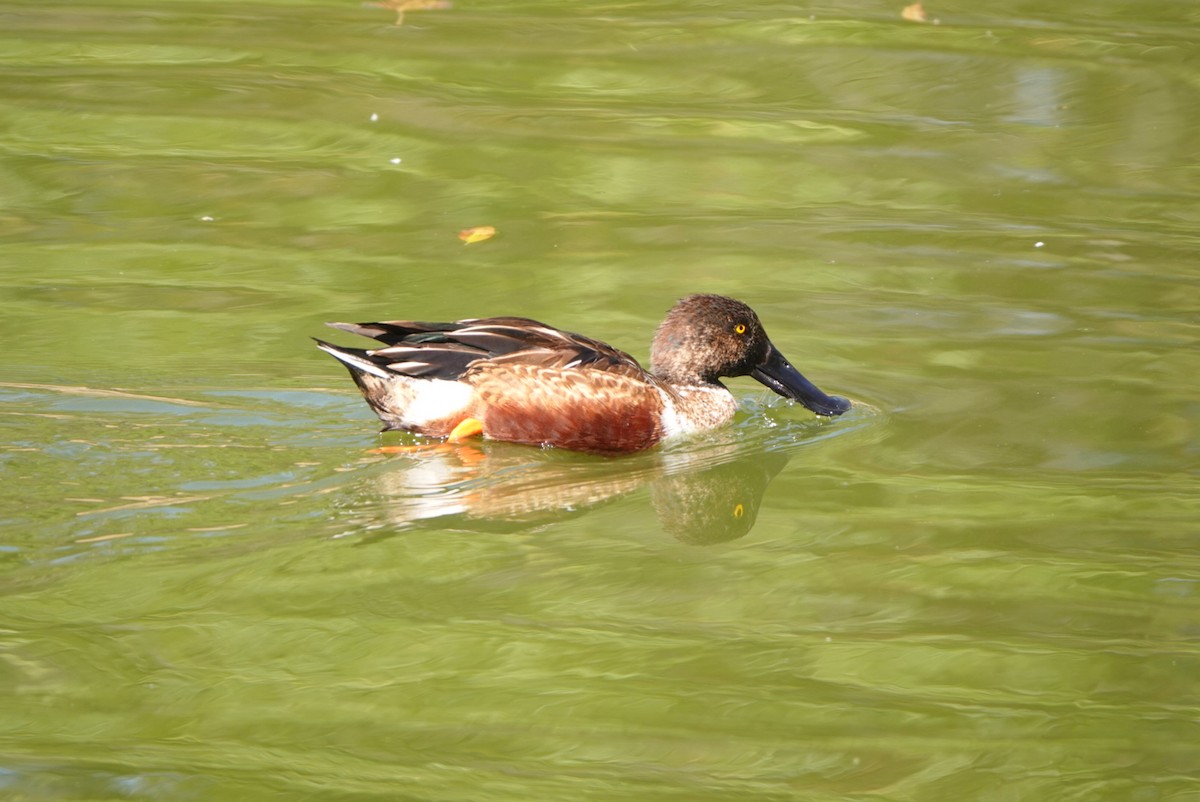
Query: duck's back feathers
[448, 350]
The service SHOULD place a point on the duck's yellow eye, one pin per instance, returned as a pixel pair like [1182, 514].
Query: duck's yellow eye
[739, 511]
[740, 328]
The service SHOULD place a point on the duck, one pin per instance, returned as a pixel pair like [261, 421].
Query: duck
[517, 380]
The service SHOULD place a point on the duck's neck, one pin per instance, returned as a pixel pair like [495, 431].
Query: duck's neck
[680, 374]
[696, 407]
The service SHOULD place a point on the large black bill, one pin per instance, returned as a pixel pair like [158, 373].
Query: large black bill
[778, 374]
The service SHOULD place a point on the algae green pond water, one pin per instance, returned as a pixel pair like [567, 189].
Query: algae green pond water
[983, 583]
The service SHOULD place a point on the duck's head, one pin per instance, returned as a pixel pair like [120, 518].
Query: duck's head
[705, 337]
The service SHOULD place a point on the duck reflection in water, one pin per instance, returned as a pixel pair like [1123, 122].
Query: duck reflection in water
[517, 380]
[706, 496]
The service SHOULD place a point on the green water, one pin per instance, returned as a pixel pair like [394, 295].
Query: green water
[981, 584]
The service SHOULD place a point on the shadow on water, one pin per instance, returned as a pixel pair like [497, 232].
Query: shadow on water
[703, 490]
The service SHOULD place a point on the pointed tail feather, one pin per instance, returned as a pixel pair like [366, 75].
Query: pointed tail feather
[354, 358]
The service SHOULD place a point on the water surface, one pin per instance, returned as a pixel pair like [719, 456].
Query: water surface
[980, 584]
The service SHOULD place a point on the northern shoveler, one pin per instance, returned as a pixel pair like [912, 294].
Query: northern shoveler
[515, 379]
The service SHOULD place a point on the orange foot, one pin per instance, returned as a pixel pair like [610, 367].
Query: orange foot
[467, 427]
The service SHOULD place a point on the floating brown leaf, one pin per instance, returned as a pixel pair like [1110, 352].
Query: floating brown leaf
[914, 13]
[400, 6]
[476, 234]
